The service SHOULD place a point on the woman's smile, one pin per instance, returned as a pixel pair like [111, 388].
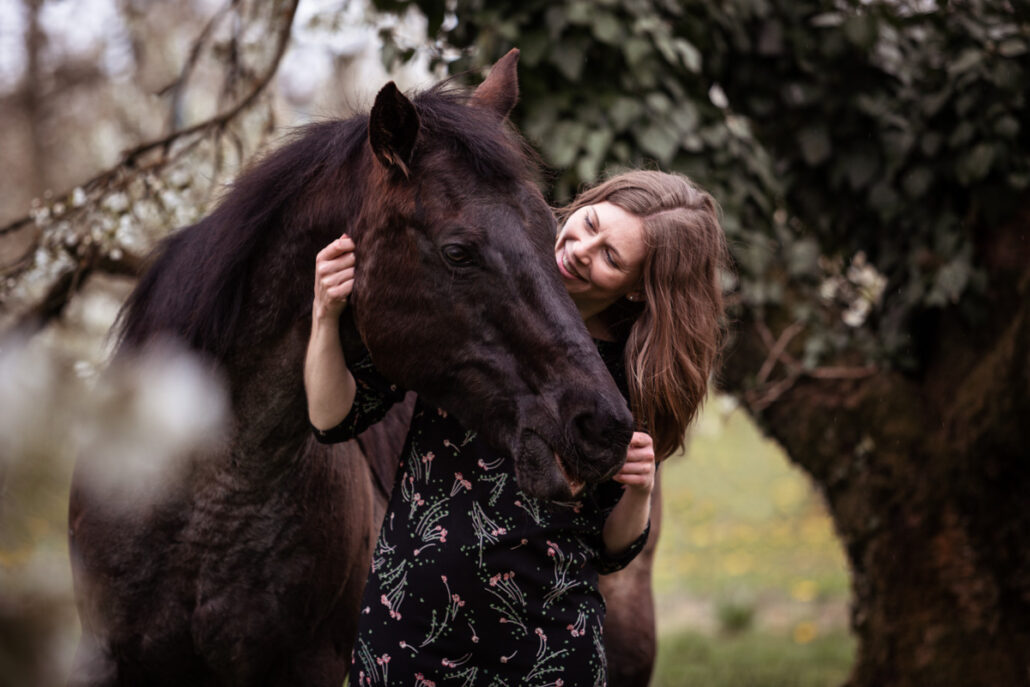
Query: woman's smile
[566, 268]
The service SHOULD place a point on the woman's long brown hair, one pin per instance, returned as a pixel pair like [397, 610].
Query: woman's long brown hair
[674, 335]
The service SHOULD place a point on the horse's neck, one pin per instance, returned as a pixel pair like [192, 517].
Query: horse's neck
[267, 393]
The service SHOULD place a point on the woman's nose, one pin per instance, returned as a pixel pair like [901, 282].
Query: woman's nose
[583, 249]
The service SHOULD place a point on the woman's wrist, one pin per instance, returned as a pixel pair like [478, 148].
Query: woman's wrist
[323, 317]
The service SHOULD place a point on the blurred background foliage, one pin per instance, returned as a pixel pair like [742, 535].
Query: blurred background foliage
[827, 129]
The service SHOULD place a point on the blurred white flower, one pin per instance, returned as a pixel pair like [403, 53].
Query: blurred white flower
[134, 428]
[149, 416]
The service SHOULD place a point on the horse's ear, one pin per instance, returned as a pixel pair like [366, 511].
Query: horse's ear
[393, 128]
[500, 90]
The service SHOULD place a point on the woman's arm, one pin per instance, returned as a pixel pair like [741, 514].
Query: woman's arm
[328, 383]
[629, 518]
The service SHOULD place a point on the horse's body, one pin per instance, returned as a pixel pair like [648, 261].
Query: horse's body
[248, 570]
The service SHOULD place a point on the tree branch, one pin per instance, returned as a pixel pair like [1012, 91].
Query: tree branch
[113, 220]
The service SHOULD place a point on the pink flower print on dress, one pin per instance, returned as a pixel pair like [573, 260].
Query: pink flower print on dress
[579, 628]
[454, 663]
[492, 465]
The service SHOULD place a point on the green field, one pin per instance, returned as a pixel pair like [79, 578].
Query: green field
[752, 659]
[751, 583]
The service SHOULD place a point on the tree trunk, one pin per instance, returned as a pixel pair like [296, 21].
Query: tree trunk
[927, 479]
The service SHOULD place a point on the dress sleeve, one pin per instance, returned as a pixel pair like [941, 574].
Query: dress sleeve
[608, 495]
[373, 397]
[606, 563]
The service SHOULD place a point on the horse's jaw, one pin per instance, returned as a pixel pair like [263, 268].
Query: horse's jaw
[539, 472]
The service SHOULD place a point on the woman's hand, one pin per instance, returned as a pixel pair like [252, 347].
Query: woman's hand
[629, 517]
[638, 471]
[334, 278]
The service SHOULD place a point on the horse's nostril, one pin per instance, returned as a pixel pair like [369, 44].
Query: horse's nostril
[585, 427]
[597, 428]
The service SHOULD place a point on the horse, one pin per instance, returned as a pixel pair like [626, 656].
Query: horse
[248, 570]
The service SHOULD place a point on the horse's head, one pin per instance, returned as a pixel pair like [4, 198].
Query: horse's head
[457, 295]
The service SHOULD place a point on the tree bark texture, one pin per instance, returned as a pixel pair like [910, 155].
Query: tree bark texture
[927, 478]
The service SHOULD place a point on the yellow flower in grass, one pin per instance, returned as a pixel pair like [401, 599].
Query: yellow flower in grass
[737, 563]
[804, 632]
[701, 535]
[804, 590]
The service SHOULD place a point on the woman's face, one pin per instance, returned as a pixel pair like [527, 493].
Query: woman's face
[600, 253]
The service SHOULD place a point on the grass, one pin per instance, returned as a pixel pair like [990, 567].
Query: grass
[739, 519]
[752, 659]
[751, 582]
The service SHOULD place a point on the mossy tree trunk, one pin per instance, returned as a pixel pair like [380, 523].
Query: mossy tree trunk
[927, 478]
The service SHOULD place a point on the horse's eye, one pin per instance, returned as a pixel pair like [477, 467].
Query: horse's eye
[457, 255]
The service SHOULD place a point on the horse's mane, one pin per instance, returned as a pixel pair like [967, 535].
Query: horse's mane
[196, 287]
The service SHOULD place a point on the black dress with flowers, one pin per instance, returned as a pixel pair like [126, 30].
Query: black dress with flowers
[474, 583]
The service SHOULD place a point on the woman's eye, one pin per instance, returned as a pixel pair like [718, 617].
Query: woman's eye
[611, 260]
[457, 255]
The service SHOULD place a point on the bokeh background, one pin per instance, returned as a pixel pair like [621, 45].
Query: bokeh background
[850, 508]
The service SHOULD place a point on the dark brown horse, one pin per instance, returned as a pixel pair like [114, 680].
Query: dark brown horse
[249, 569]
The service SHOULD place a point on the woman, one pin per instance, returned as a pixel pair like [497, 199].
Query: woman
[471, 579]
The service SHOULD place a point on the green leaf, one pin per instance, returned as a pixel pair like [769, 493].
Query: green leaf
[861, 30]
[961, 135]
[556, 20]
[827, 20]
[607, 28]
[738, 126]
[666, 47]
[658, 102]
[917, 181]
[966, 60]
[1007, 126]
[533, 46]
[860, 167]
[563, 142]
[635, 50]
[624, 111]
[597, 142]
[579, 12]
[1012, 47]
[976, 164]
[1019, 180]
[587, 168]
[815, 145]
[686, 117]
[934, 102]
[568, 57]
[690, 55]
[930, 143]
[659, 140]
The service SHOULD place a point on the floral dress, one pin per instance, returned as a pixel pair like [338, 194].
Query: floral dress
[473, 583]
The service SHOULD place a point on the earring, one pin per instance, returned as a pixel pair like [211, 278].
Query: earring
[630, 297]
